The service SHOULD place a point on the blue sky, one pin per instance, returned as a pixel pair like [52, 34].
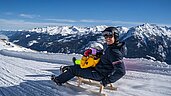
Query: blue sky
[27, 14]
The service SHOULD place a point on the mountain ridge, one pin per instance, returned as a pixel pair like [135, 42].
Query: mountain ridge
[142, 41]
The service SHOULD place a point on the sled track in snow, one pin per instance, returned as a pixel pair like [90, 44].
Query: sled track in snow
[29, 56]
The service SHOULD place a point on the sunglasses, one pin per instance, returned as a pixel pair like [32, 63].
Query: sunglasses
[108, 36]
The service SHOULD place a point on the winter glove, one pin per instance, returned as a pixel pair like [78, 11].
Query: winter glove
[87, 52]
[99, 53]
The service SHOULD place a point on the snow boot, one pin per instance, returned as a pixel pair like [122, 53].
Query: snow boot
[54, 79]
[64, 69]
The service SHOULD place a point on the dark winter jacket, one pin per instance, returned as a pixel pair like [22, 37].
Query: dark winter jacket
[111, 62]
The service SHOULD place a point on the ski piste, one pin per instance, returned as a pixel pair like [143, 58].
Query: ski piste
[79, 88]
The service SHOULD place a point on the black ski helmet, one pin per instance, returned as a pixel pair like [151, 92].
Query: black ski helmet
[112, 31]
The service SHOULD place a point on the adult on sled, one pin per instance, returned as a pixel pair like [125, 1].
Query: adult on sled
[109, 69]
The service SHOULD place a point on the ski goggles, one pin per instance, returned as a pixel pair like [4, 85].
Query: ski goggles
[94, 51]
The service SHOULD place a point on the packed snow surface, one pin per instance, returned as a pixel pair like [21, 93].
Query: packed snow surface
[27, 73]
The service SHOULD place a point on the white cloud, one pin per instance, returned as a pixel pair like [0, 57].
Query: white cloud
[61, 20]
[126, 22]
[24, 25]
[28, 15]
[95, 21]
[79, 21]
[111, 22]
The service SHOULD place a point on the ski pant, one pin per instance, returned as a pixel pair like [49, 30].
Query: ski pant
[89, 73]
[118, 73]
[76, 70]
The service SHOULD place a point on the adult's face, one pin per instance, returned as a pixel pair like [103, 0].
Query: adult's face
[109, 39]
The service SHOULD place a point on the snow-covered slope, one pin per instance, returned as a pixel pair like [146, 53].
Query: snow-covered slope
[5, 44]
[28, 74]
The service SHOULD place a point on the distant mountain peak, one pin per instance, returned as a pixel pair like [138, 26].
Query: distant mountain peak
[141, 41]
[148, 30]
[65, 30]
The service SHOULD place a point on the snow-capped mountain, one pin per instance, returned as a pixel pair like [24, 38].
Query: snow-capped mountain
[146, 40]
[66, 30]
[149, 40]
[148, 31]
